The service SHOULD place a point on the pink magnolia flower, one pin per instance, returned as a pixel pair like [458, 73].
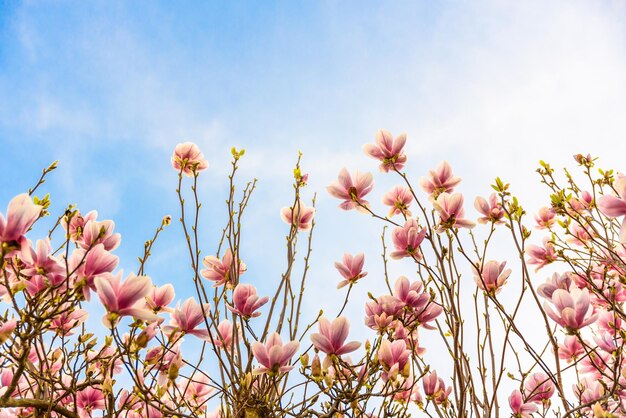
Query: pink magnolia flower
[520, 408]
[571, 309]
[578, 235]
[394, 358]
[331, 337]
[351, 269]
[538, 388]
[146, 335]
[387, 150]
[6, 329]
[197, 390]
[187, 318]
[589, 390]
[409, 392]
[610, 322]
[399, 199]
[381, 314]
[160, 297]
[227, 336]
[89, 399]
[491, 210]
[66, 322]
[124, 298]
[615, 207]
[21, 215]
[545, 218]
[435, 388]
[541, 256]
[95, 262]
[493, 276]
[407, 240]
[578, 205]
[352, 189]
[100, 232]
[607, 342]
[595, 364]
[451, 212]
[188, 158]
[76, 225]
[246, 302]
[410, 294]
[571, 349]
[274, 357]
[439, 180]
[219, 271]
[41, 269]
[556, 281]
[299, 215]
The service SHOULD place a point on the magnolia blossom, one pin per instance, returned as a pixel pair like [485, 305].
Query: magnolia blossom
[89, 399]
[352, 189]
[88, 264]
[399, 198]
[299, 215]
[387, 150]
[351, 269]
[407, 240]
[541, 255]
[66, 322]
[219, 271]
[589, 390]
[578, 205]
[21, 215]
[520, 408]
[246, 302]
[197, 389]
[394, 358]
[538, 388]
[409, 392]
[187, 318]
[451, 212]
[274, 357]
[146, 335]
[545, 218]
[493, 276]
[571, 309]
[41, 269]
[380, 314]
[6, 329]
[435, 388]
[227, 335]
[124, 298]
[556, 281]
[615, 207]
[571, 349]
[439, 180]
[97, 232]
[610, 322]
[491, 210]
[74, 224]
[160, 297]
[331, 337]
[188, 158]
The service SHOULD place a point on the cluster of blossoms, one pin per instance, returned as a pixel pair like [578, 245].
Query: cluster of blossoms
[266, 361]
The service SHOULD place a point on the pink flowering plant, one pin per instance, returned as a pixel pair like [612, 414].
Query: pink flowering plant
[466, 331]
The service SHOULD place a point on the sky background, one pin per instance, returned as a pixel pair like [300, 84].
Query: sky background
[109, 88]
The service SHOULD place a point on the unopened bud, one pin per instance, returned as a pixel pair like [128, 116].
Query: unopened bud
[304, 359]
[316, 367]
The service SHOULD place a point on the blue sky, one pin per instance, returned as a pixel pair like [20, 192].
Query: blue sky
[109, 88]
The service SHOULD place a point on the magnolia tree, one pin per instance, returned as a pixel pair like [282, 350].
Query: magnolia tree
[267, 359]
